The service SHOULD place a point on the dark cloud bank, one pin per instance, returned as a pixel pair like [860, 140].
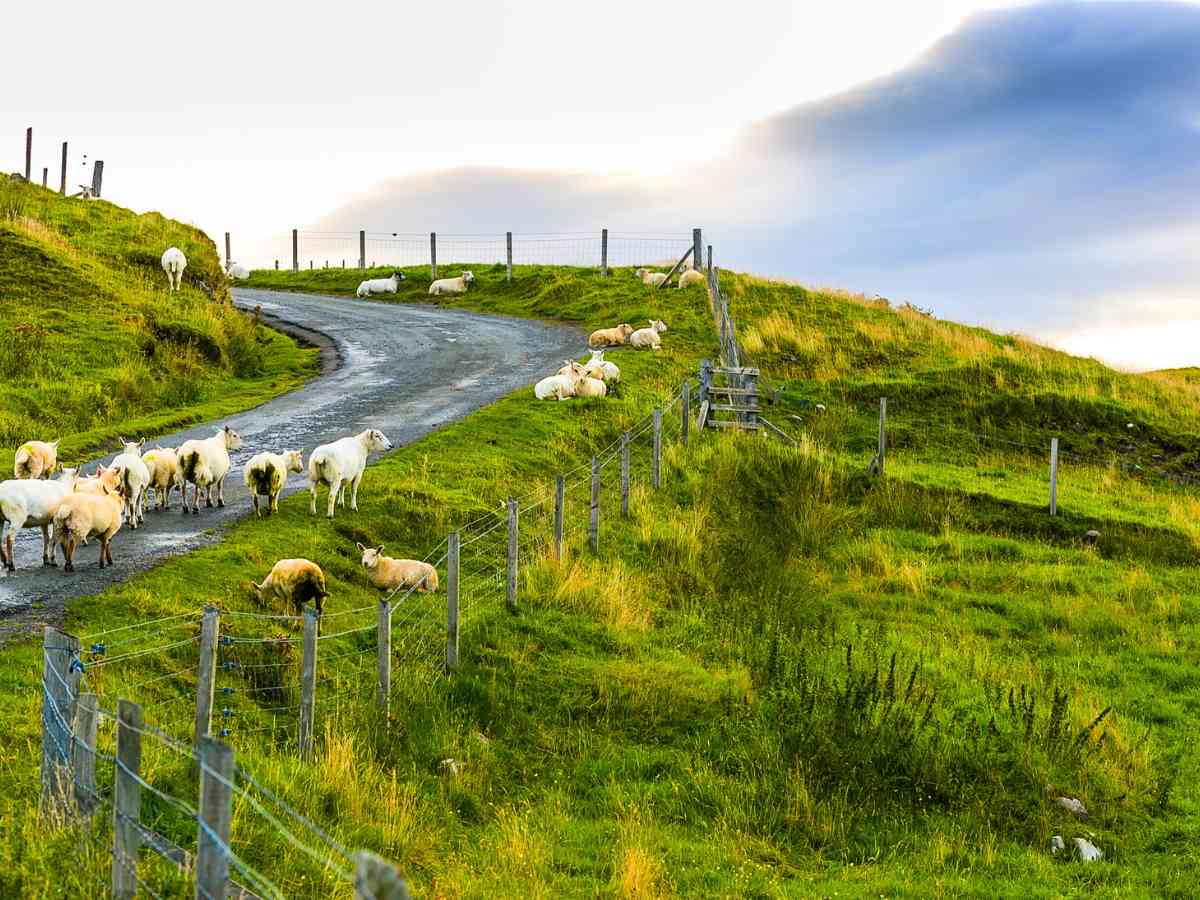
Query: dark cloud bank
[1037, 169]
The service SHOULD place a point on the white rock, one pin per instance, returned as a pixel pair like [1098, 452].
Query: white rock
[1088, 852]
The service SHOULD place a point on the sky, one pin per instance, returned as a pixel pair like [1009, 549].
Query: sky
[1026, 167]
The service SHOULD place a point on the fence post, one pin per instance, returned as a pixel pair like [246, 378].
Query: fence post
[377, 879]
[63, 186]
[362, 249]
[276, 265]
[127, 800]
[685, 401]
[594, 512]
[452, 602]
[603, 252]
[28, 152]
[295, 250]
[83, 752]
[697, 249]
[59, 649]
[508, 243]
[560, 500]
[227, 256]
[383, 640]
[512, 554]
[216, 814]
[625, 474]
[710, 259]
[308, 682]
[1053, 476]
[656, 470]
[97, 178]
[433, 255]
[45, 175]
[882, 451]
[206, 672]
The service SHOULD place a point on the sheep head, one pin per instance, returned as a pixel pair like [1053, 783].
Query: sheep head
[374, 439]
[233, 440]
[293, 460]
[626, 329]
[658, 325]
[370, 555]
[468, 277]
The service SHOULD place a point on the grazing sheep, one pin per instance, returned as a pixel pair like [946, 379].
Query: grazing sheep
[648, 337]
[387, 285]
[205, 463]
[452, 285]
[163, 465]
[267, 473]
[36, 459]
[599, 367]
[610, 337]
[562, 385]
[294, 581]
[651, 278]
[388, 574]
[28, 502]
[173, 263]
[134, 481]
[342, 463]
[238, 272]
[690, 277]
[81, 515]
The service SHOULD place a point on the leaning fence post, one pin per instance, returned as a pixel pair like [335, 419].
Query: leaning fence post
[377, 879]
[603, 252]
[308, 682]
[508, 244]
[59, 651]
[625, 474]
[63, 186]
[452, 601]
[656, 466]
[216, 815]
[383, 640]
[512, 554]
[83, 755]
[206, 671]
[1053, 476]
[882, 451]
[362, 249]
[295, 250]
[433, 255]
[685, 398]
[560, 500]
[127, 800]
[594, 510]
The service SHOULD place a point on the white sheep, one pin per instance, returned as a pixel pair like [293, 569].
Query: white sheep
[205, 463]
[340, 464]
[295, 582]
[163, 465]
[610, 337]
[388, 574]
[452, 285]
[599, 367]
[690, 277]
[650, 278]
[238, 272]
[266, 474]
[560, 386]
[591, 387]
[387, 285]
[135, 479]
[173, 263]
[648, 337]
[80, 516]
[29, 502]
[35, 459]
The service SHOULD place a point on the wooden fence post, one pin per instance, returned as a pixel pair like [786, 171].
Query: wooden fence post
[227, 256]
[362, 249]
[656, 465]
[97, 178]
[383, 641]
[452, 602]
[377, 879]
[560, 501]
[685, 398]
[295, 250]
[625, 474]
[45, 175]
[206, 671]
[512, 554]
[882, 451]
[28, 153]
[83, 755]
[127, 800]
[62, 189]
[59, 649]
[697, 249]
[216, 815]
[1053, 476]
[508, 243]
[276, 265]
[433, 255]
[594, 511]
[706, 373]
[308, 682]
[710, 258]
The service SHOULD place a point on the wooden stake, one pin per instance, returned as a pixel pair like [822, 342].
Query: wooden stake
[227, 256]
[710, 259]
[603, 252]
[216, 815]
[625, 474]
[295, 250]
[127, 800]
[383, 641]
[308, 683]
[59, 649]
[62, 188]
[84, 752]
[206, 672]
[97, 178]
[28, 153]
[512, 554]
[560, 500]
[1053, 476]
[45, 175]
[656, 470]
[362, 249]
[433, 255]
[697, 249]
[594, 513]
[452, 547]
[882, 451]
[508, 243]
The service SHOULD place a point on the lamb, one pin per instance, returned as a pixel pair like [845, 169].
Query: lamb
[650, 278]
[690, 277]
[610, 337]
[238, 272]
[28, 502]
[267, 473]
[387, 285]
[163, 466]
[294, 581]
[134, 481]
[80, 516]
[599, 367]
[388, 574]
[648, 337]
[205, 463]
[35, 459]
[342, 463]
[173, 263]
[562, 385]
[452, 285]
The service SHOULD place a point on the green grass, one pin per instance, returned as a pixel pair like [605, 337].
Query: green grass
[94, 345]
[780, 677]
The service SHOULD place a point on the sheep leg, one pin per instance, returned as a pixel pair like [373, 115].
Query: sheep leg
[333, 495]
[354, 492]
[8, 554]
[273, 504]
[254, 500]
[106, 546]
[68, 545]
[312, 495]
[208, 496]
[221, 492]
[47, 547]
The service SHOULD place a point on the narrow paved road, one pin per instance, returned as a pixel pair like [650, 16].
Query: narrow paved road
[403, 369]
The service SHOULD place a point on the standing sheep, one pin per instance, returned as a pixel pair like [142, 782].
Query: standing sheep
[647, 338]
[134, 480]
[205, 463]
[267, 473]
[295, 582]
[452, 285]
[173, 263]
[83, 515]
[163, 465]
[388, 574]
[610, 337]
[340, 464]
[29, 502]
[36, 459]
[387, 285]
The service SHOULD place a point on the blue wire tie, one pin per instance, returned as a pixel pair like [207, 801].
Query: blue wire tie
[224, 732]
[75, 666]
[98, 648]
[227, 713]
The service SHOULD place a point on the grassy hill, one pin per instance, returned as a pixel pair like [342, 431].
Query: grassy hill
[93, 343]
[781, 676]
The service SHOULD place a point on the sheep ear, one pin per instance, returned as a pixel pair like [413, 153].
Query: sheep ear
[380, 550]
[361, 548]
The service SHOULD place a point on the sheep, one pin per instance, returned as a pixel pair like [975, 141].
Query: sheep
[80, 516]
[27, 502]
[238, 272]
[651, 278]
[340, 463]
[205, 463]
[266, 474]
[452, 285]
[173, 263]
[387, 285]
[648, 337]
[134, 481]
[690, 277]
[599, 367]
[163, 466]
[610, 337]
[591, 387]
[562, 385]
[36, 459]
[388, 574]
[105, 479]
[294, 581]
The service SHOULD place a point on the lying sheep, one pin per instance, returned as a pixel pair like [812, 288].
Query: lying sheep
[388, 574]
[165, 476]
[267, 473]
[134, 481]
[340, 464]
[36, 459]
[452, 285]
[173, 263]
[29, 502]
[295, 582]
[648, 337]
[591, 387]
[387, 285]
[238, 272]
[81, 515]
[205, 463]
[599, 367]
[690, 277]
[650, 278]
[610, 337]
[562, 385]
